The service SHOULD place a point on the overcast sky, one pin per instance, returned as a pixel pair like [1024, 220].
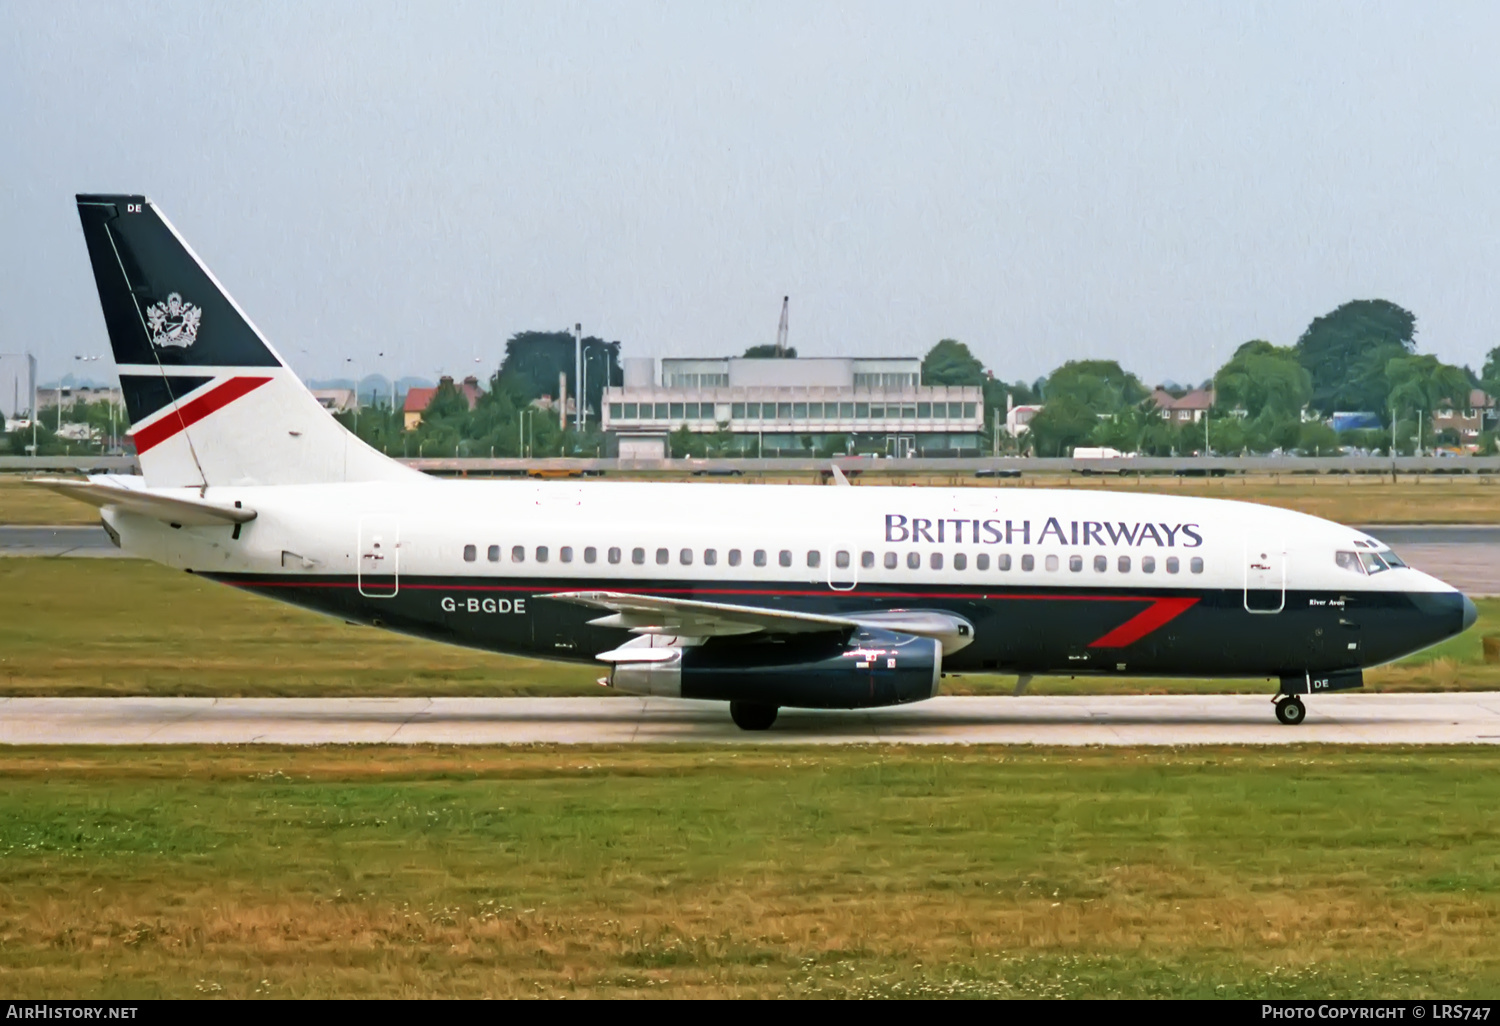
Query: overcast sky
[1152, 182]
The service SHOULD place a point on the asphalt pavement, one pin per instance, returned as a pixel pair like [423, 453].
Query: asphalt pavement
[1418, 719]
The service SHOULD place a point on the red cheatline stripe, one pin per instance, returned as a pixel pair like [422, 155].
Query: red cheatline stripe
[152, 435]
[1158, 614]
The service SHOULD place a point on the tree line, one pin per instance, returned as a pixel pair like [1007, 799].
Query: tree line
[1360, 357]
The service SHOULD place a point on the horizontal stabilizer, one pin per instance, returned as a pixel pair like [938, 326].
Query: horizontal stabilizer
[186, 511]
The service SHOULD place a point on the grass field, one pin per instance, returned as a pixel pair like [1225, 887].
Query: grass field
[1312, 872]
[1347, 498]
[127, 627]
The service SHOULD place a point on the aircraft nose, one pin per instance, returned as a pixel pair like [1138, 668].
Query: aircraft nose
[1471, 613]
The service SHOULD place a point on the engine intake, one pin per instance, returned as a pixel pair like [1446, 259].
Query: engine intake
[873, 667]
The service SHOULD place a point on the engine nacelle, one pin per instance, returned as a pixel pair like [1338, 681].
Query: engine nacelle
[872, 668]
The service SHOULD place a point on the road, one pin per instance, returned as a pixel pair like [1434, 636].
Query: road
[1452, 718]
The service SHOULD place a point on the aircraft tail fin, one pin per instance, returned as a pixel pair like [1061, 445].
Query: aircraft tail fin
[210, 401]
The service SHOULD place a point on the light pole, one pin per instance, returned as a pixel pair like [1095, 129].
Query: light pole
[577, 376]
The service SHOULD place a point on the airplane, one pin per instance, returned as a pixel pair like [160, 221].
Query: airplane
[761, 596]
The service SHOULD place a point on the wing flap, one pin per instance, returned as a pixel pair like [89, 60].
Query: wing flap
[651, 614]
[169, 509]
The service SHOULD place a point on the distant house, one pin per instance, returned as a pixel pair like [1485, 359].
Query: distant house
[1469, 423]
[418, 399]
[336, 400]
[1189, 409]
[1018, 419]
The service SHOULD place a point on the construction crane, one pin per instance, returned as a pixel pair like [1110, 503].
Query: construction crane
[781, 328]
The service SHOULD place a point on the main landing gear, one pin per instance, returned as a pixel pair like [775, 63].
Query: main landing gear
[753, 715]
[1290, 710]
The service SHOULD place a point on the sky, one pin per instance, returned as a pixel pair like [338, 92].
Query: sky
[1150, 182]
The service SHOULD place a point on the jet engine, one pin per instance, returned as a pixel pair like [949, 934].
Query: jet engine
[868, 668]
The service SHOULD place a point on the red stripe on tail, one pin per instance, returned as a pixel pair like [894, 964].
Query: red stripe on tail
[152, 435]
[1157, 614]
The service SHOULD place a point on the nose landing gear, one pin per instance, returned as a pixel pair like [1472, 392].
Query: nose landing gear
[1290, 710]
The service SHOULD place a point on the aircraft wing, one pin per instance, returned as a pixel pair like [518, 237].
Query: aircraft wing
[187, 511]
[653, 614]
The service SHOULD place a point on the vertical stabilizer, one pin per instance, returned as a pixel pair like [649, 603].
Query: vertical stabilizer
[210, 402]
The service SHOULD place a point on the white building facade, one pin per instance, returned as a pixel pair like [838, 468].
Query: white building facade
[803, 406]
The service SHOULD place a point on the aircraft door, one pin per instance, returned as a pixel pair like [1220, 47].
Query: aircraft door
[843, 567]
[1265, 575]
[379, 556]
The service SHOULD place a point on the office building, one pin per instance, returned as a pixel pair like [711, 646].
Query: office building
[801, 407]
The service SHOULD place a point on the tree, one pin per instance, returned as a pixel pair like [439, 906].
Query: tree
[1063, 424]
[1260, 376]
[1318, 439]
[1346, 352]
[1425, 383]
[1100, 385]
[1489, 377]
[534, 359]
[950, 363]
[768, 352]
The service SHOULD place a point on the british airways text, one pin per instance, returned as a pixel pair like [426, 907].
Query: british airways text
[961, 531]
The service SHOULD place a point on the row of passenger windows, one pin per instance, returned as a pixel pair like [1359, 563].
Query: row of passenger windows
[842, 559]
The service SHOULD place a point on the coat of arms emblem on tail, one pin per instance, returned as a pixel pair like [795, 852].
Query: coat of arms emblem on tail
[173, 322]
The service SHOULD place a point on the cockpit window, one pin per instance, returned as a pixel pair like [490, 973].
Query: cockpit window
[1391, 559]
[1373, 563]
[1348, 561]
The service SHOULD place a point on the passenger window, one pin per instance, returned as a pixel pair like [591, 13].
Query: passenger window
[814, 558]
[470, 553]
[890, 561]
[685, 557]
[565, 554]
[614, 554]
[541, 553]
[785, 557]
[734, 557]
[960, 561]
[518, 554]
[590, 554]
[1196, 564]
[638, 556]
[867, 560]
[1172, 565]
[494, 554]
[1051, 563]
[663, 557]
[841, 559]
[1028, 562]
[1002, 561]
[1101, 564]
[1075, 563]
[710, 557]
[1124, 564]
[1148, 564]
[1348, 561]
[760, 557]
[935, 560]
[913, 560]
[982, 561]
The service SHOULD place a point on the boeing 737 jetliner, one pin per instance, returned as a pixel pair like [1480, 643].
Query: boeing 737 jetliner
[762, 596]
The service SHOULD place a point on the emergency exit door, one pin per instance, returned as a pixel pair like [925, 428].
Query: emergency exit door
[1265, 575]
[379, 556]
